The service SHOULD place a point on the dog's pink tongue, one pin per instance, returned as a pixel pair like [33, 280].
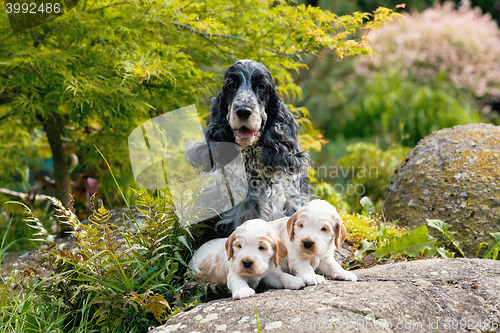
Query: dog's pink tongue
[245, 133]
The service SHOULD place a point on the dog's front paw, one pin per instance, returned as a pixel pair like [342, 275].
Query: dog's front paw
[313, 279]
[294, 282]
[243, 293]
[345, 275]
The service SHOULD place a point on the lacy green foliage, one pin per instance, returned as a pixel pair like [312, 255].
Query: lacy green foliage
[369, 166]
[349, 6]
[115, 280]
[106, 66]
[443, 227]
[310, 138]
[492, 248]
[412, 244]
[398, 109]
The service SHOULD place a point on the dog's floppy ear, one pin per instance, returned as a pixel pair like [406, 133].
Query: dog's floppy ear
[229, 246]
[219, 130]
[290, 226]
[280, 252]
[340, 234]
[280, 146]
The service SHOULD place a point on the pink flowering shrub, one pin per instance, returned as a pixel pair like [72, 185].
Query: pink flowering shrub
[461, 43]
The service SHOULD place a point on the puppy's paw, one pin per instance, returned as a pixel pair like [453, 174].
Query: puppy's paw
[345, 275]
[243, 293]
[351, 277]
[294, 282]
[313, 279]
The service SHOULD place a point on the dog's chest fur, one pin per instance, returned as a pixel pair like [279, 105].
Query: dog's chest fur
[274, 185]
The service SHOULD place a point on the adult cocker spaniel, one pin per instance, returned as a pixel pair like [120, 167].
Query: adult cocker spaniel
[250, 113]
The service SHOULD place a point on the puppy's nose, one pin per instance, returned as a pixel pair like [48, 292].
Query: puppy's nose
[247, 263]
[244, 112]
[307, 244]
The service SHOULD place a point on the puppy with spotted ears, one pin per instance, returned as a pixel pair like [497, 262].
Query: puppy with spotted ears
[311, 236]
[251, 254]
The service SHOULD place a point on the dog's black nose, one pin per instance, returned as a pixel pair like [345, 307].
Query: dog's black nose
[247, 263]
[244, 112]
[307, 244]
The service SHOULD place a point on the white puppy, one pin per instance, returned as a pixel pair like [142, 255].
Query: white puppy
[311, 236]
[251, 254]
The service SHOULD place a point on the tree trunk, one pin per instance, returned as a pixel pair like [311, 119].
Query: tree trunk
[53, 126]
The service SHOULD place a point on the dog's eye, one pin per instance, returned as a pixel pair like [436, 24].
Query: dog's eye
[231, 85]
[301, 225]
[323, 229]
[261, 86]
[239, 246]
[261, 248]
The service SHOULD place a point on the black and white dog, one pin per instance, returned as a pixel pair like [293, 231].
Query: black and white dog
[250, 113]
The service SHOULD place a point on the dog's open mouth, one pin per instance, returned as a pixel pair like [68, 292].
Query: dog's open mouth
[245, 133]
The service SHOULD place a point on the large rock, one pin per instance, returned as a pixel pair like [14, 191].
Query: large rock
[451, 295]
[452, 175]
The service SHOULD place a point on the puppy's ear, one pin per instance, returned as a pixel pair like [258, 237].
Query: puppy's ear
[229, 246]
[290, 226]
[280, 253]
[340, 234]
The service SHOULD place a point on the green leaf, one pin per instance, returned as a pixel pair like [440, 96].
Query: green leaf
[157, 305]
[495, 253]
[443, 227]
[411, 244]
[367, 205]
[99, 312]
[381, 235]
[365, 247]
[493, 247]
[444, 253]
[429, 252]
[171, 271]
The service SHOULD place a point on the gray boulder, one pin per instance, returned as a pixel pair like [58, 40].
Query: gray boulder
[452, 175]
[443, 295]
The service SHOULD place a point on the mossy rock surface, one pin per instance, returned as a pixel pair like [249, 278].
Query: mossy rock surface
[452, 175]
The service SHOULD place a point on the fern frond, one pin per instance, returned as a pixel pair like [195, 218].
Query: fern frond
[33, 222]
[100, 216]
